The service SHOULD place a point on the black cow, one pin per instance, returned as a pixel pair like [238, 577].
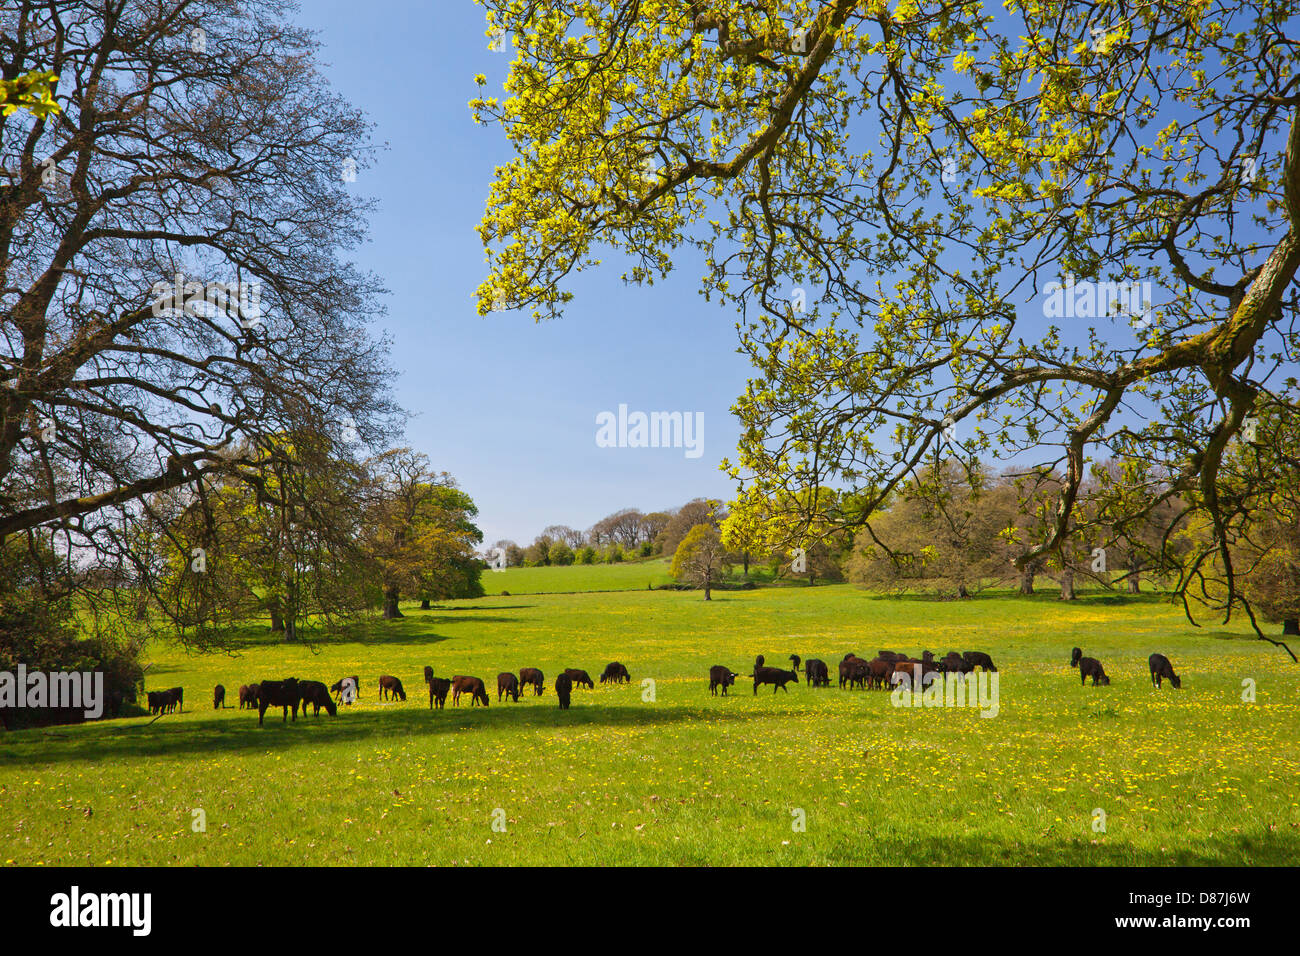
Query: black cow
[615, 673]
[563, 688]
[219, 697]
[816, 673]
[979, 659]
[774, 676]
[1161, 669]
[277, 693]
[720, 676]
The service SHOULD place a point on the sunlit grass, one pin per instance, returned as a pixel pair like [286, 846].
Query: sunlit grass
[1195, 776]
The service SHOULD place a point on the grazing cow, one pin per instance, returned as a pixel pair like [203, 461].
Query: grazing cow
[954, 663]
[794, 664]
[891, 656]
[155, 701]
[317, 694]
[615, 673]
[857, 672]
[720, 676]
[277, 693]
[1088, 667]
[219, 697]
[774, 676]
[438, 687]
[391, 687]
[531, 675]
[473, 686]
[337, 687]
[816, 673]
[1161, 668]
[508, 684]
[563, 688]
[579, 677]
[979, 659]
[248, 696]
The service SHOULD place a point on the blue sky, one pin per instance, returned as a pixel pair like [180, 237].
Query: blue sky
[506, 405]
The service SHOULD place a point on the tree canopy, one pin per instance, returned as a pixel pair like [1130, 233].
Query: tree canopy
[1052, 231]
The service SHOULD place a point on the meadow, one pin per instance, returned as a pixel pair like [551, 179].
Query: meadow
[1196, 776]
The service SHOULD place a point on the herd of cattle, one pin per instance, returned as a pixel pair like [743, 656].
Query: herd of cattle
[887, 669]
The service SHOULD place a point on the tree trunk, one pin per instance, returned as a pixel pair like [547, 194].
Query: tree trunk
[1291, 626]
[1067, 585]
[744, 557]
[962, 592]
[424, 604]
[290, 630]
[391, 610]
[1027, 580]
[708, 583]
[1134, 583]
[277, 620]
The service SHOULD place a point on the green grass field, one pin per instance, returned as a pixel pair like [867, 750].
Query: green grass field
[1195, 776]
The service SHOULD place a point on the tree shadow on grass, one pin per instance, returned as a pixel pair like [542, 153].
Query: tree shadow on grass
[138, 737]
[1279, 849]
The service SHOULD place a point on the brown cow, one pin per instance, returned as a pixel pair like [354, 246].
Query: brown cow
[615, 673]
[219, 698]
[508, 684]
[473, 686]
[579, 677]
[438, 687]
[248, 696]
[390, 686]
[531, 675]
[317, 694]
[720, 676]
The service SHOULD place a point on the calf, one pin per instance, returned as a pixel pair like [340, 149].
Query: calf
[563, 688]
[579, 677]
[438, 687]
[531, 675]
[720, 676]
[248, 696]
[390, 687]
[615, 673]
[979, 659]
[816, 673]
[774, 676]
[473, 686]
[317, 694]
[277, 693]
[508, 684]
[1162, 669]
[219, 698]
[337, 687]
[794, 664]
[1088, 667]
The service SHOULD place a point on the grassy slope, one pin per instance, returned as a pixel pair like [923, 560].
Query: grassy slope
[1191, 777]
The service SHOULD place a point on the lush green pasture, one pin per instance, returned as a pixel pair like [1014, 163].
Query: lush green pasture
[1195, 776]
